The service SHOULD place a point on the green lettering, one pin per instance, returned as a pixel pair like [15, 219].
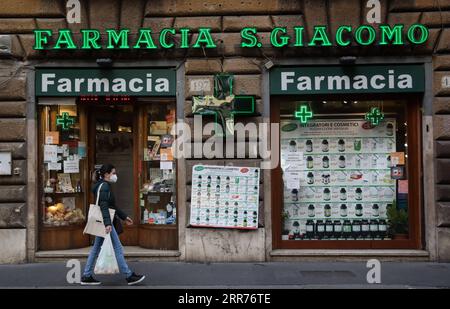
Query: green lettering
[163, 40]
[391, 34]
[184, 38]
[65, 37]
[339, 40]
[298, 36]
[204, 36]
[358, 35]
[320, 34]
[145, 38]
[120, 38]
[249, 34]
[40, 38]
[423, 34]
[90, 41]
[274, 40]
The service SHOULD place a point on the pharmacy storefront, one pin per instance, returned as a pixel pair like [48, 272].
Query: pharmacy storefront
[350, 156]
[90, 116]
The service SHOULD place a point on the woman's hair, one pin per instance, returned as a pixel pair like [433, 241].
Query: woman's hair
[100, 173]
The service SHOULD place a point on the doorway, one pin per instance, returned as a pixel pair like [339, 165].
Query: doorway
[112, 131]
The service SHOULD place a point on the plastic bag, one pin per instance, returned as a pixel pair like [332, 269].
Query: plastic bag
[106, 261]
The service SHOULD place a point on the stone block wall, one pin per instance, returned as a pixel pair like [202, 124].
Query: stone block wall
[225, 18]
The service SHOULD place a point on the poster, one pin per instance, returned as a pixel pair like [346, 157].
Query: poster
[72, 166]
[225, 197]
[52, 137]
[51, 153]
[345, 172]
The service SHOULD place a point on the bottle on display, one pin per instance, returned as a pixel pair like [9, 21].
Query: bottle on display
[373, 228]
[309, 146]
[326, 194]
[382, 229]
[145, 219]
[325, 145]
[325, 162]
[309, 162]
[310, 229]
[358, 194]
[343, 210]
[310, 178]
[342, 161]
[78, 187]
[358, 210]
[327, 210]
[311, 211]
[329, 229]
[209, 180]
[337, 229]
[341, 145]
[320, 229]
[356, 229]
[292, 146]
[375, 210]
[347, 229]
[365, 229]
[343, 194]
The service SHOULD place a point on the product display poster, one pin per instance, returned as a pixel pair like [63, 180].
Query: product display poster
[344, 176]
[225, 197]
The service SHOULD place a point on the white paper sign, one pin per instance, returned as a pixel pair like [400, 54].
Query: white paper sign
[71, 166]
[166, 165]
[54, 166]
[50, 153]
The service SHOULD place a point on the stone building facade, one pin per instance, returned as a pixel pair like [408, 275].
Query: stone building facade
[19, 193]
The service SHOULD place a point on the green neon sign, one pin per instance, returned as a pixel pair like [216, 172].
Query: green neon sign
[322, 36]
[304, 114]
[375, 116]
[224, 105]
[65, 121]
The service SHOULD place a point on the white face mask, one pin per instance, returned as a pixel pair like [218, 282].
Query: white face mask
[113, 178]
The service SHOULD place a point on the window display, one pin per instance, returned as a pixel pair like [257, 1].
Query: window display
[63, 155]
[337, 171]
[158, 194]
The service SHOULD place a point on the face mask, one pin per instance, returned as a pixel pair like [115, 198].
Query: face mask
[113, 178]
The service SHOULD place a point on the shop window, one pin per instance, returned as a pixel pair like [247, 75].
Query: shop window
[345, 177]
[158, 179]
[62, 157]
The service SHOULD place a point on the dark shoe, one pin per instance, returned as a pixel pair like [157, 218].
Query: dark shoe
[135, 279]
[89, 281]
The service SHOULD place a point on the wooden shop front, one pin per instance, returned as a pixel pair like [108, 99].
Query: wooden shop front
[91, 116]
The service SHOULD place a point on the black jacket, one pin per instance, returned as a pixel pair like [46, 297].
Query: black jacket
[106, 201]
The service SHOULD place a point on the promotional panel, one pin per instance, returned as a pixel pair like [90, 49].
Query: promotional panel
[225, 197]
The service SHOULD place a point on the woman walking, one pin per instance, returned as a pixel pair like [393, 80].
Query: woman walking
[105, 176]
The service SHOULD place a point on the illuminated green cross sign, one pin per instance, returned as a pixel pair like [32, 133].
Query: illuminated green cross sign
[374, 116]
[223, 105]
[304, 114]
[65, 121]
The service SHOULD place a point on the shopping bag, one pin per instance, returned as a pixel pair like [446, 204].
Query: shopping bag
[94, 225]
[106, 262]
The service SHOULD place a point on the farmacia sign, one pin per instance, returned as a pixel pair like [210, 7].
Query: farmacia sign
[90, 81]
[364, 35]
[347, 79]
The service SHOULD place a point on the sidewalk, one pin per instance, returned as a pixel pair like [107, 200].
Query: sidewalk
[240, 275]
